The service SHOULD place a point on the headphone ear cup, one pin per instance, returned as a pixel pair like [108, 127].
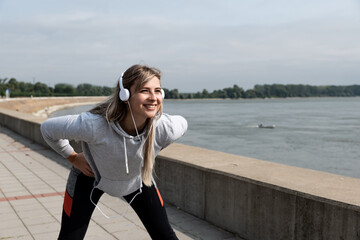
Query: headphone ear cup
[124, 94]
[162, 93]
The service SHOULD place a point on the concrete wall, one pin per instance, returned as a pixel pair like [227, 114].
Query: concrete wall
[25, 124]
[253, 198]
[258, 199]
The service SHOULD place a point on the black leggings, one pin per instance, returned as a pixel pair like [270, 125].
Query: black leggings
[78, 209]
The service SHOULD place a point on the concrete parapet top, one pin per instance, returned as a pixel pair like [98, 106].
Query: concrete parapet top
[322, 186]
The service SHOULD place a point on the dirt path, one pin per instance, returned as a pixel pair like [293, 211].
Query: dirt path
[36, 105]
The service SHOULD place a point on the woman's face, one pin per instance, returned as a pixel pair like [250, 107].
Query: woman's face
[146, 102]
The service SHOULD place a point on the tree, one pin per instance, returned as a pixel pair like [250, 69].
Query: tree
[63, 89]
[238, 91]
[260, 91]
[13, 84]
[172, 94]
[84, 89]
[3, 86]
[41, 89]
[107, 91]
[278, 90]
[198, 95]
[250, 93]
[205, 93]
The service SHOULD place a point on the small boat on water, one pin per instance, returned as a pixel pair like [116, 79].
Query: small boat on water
[266, 126]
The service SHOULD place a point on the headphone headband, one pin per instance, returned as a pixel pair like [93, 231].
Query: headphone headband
[120, 81]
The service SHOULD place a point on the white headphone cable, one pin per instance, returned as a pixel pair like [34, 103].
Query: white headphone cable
[132, 117]
[98, 208]
[127, 169]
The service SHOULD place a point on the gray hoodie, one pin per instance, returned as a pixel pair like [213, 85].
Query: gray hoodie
[115, 157]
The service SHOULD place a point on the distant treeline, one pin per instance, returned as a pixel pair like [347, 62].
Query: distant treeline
[271, 91]
[22, 89]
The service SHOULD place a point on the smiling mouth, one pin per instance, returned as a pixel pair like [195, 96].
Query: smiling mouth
[150, 106]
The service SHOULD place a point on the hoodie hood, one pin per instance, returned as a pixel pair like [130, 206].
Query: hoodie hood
[118, 129]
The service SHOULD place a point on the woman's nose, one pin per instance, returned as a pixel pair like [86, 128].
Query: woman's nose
[152, 95]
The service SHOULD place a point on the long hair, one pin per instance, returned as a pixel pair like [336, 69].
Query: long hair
[113, 109]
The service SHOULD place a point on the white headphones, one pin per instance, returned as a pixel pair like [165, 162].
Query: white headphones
[124, 93]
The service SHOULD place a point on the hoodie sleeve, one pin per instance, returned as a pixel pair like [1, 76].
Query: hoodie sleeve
[58, 131]
[170, 128]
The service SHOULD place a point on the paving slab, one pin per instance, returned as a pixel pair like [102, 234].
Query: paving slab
[32, 184]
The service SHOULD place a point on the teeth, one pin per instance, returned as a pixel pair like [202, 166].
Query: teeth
[150, 106]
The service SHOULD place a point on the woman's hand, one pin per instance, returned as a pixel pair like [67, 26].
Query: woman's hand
[78, 161]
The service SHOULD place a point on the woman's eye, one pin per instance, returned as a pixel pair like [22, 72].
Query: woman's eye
[144, 91]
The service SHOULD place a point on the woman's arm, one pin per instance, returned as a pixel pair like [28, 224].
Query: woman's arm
[57, 131]
[170, 128]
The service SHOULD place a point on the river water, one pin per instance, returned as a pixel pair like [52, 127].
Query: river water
[317, 133]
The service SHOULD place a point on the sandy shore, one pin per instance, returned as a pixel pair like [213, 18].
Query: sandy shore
[43, 106]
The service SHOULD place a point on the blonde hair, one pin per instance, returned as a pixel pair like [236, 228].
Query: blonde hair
[113, 109]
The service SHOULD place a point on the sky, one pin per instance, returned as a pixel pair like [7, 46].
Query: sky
[196, 44]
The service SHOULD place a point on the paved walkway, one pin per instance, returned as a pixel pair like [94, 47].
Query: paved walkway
[32, 183]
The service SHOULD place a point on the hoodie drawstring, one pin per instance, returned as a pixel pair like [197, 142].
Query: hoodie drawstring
[126, 157]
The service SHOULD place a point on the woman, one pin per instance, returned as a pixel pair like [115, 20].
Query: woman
[120, 139]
